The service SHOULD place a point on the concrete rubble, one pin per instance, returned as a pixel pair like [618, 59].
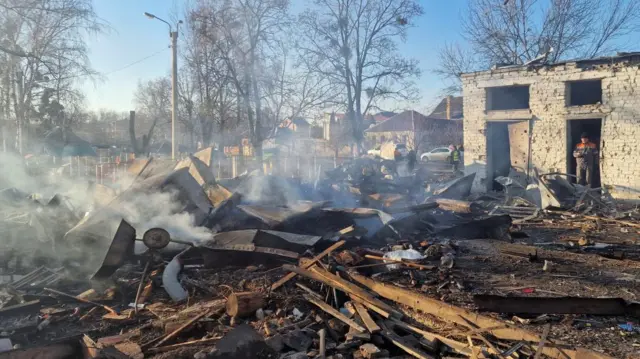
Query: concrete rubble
[357, 264]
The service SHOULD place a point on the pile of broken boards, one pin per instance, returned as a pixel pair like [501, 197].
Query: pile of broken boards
[552, 194]
[367, 182]
[330, 305]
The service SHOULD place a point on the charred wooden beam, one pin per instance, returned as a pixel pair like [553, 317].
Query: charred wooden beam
[315, 259]
[451, 313]
[455, 205]
[561, 305]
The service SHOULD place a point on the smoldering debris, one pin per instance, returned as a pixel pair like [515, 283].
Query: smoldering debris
[361, 263]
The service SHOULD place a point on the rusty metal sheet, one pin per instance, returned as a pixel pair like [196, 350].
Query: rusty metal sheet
[561, 305]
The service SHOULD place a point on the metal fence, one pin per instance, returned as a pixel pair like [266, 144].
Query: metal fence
[110, 169]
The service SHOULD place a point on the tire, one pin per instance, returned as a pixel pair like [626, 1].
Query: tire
[424, 159]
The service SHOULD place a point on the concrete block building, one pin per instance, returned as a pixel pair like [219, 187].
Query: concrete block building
[530, 117]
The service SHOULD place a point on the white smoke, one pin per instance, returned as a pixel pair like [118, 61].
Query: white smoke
[160, 209]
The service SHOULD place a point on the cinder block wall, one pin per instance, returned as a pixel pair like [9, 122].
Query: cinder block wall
[620, 113]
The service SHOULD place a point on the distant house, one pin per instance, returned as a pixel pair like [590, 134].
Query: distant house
[440, 128]
[336, 126]
[449, 108]
[299, 126]
[379, 117]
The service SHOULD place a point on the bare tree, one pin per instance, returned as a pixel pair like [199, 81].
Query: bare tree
[43, 54]
[520, 31]
[214, 93]
[455, 60]
[290, 91]
[153, 99]
[244, 32]
[354, 44]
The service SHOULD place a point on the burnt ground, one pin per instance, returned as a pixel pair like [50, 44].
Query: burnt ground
[482, 268]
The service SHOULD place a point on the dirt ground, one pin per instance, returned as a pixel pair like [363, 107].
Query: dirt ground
[483, 268]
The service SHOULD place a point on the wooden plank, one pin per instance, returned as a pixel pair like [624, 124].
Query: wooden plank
[459, 347]
[330, 310]
[309, 290]
[184, 344]
[185, 326]
[350, 288]
[31, 306]
[333, 281]
[455, 314]
[366, 318]
[400, 343]
[543, 340]
[315, 259]
[381, 312]
[407, 263]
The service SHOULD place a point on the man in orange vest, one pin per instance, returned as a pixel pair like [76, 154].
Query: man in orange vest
[586, 154]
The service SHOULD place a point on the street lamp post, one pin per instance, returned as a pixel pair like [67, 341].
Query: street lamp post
[174, 79]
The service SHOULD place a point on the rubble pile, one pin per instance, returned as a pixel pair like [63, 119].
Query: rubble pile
[356, 265]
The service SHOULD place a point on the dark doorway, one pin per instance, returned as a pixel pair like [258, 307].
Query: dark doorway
[498, 153]
[575, 128]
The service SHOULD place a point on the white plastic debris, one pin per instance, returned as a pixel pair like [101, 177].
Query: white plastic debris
[260, 314]
[5, 345]
[297, 315]
[410, 254]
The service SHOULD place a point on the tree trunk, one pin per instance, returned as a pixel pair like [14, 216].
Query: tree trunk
[132, 132]
[244, 304]
[258, 122]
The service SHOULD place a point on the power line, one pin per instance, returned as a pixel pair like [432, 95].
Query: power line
[136, 62]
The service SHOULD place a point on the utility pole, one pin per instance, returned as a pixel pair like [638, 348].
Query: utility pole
[20, 112]
[174, 90]
[174, 79]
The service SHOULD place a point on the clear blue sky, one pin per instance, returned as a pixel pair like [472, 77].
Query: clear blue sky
[134, 37]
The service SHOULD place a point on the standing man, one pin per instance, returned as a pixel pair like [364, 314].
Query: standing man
[455, 158]
[586, 154]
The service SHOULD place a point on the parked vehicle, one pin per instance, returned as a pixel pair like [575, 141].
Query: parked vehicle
[440, 154]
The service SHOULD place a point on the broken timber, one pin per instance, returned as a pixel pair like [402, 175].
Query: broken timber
[461, 316]
[460, 348]
[400, 343]
[315, 259]
[405, 262]
[330, 310]
[335, 282]
[244, 304]
[556, 305]
[455, 205]
[366, 318]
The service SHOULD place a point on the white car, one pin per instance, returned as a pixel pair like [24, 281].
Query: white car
[442, 154]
